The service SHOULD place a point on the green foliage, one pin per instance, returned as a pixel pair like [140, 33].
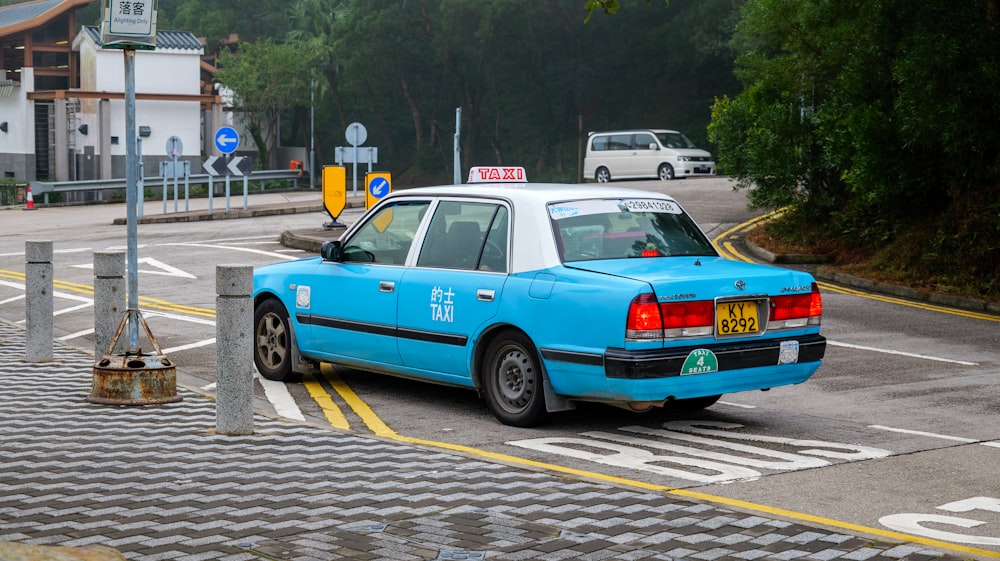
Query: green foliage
[878, 120]
[268, 79]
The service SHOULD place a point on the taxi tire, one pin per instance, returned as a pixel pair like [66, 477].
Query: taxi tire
[512, 379]
[272, 337]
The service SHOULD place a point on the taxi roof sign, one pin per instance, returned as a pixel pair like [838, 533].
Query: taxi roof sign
[497, 174]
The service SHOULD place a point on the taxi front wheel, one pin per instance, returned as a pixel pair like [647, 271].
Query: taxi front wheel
[272, 353]
[512, 378]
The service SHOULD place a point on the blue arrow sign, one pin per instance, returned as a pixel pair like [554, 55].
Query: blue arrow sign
[227, 140]
[379, 187]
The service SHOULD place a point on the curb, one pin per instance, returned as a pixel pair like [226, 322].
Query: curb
[867, 285]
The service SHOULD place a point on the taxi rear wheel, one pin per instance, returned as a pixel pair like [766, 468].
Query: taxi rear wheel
[272, 347]
[512, 378]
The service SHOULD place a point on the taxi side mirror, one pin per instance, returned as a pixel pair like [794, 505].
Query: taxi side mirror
[332, 251]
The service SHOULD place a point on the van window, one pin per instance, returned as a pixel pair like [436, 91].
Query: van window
[674, 140]
[642, 141]
[599, 144]
[620, 142]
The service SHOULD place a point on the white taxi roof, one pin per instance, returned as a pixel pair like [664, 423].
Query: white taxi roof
[531, 225]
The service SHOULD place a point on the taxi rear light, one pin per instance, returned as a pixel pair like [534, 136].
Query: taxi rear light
[644, 320]
[796, 310]
[648, 319]
[688, 319]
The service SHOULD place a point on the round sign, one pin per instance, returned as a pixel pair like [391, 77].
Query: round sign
[227, 140]
[174, 146]
[356, 134]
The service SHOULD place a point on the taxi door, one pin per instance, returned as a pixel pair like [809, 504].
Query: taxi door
[354, 300]
[454, 289]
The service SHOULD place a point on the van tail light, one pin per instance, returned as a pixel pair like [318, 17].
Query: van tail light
[648, 319]
[796, 310]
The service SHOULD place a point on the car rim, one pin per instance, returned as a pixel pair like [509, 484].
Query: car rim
[603, 176]
[665, 174]
[515, 380]
[272, 345]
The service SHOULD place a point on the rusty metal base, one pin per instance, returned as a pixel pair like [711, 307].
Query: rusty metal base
[134, 379]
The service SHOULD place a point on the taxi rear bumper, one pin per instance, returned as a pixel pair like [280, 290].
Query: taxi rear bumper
[669, 362]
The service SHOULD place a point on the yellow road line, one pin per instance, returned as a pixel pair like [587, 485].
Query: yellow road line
[333, 414]
[368, 416]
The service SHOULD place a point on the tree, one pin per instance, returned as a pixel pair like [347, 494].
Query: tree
[877, 120]
[267, 79]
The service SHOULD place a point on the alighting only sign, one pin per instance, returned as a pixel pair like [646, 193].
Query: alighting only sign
[129, 24]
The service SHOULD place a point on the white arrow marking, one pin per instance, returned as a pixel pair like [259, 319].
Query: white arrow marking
[209, 165]
[165, 269]
[234, 165]
[224, 139]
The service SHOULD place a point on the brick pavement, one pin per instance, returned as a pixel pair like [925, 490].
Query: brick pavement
[157, 483]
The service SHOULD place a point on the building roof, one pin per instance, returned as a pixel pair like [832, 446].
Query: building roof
[175, 40]
[18, 18]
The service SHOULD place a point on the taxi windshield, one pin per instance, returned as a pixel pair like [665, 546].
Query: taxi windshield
[625, 228]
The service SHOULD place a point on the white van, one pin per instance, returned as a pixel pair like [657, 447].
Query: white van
[643, 153]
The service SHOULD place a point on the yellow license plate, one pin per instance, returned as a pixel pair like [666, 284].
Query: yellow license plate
[736, 318]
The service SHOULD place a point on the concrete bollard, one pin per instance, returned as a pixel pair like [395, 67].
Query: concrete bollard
[38, 286]
[234, 348]
[109, 298]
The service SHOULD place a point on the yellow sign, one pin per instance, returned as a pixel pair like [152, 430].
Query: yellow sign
[377, 186]
[334, 181]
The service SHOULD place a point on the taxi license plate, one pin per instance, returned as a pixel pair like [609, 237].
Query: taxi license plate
[736, 318]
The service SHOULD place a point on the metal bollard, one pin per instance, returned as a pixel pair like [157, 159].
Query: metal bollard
[109, 297]
[234, 348]
[38, 305]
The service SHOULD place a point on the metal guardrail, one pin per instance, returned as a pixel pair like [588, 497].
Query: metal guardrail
[43, 187]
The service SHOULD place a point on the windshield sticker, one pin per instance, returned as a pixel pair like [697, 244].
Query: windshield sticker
[650, 205]
[442, 307]
[611, 206]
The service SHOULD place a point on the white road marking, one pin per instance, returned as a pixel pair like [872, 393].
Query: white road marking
[14, 299]
[922, 433]
[164, 269]
[73, 308]
[195, 345]
[740, 405]
[900, 353]
[75, 335]
[237, 248]
[277, 394]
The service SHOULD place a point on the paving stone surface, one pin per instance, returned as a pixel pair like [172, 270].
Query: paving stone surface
[157, 483]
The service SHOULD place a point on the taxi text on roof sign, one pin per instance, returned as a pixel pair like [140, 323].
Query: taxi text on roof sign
[495, 174]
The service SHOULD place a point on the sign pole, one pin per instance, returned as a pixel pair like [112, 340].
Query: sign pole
[132, 287]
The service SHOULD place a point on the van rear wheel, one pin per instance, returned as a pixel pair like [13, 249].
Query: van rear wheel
[666, 172]
[602, 175]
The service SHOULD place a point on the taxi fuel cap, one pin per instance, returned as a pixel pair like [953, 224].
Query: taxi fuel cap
[497, 174]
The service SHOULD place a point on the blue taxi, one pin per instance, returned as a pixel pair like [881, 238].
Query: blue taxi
[539, 296]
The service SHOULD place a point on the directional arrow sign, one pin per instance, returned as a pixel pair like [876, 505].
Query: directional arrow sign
[240, 165]
[209, 165]
[227, 140]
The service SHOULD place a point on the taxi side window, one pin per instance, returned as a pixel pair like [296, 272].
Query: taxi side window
[457, 237]
[387, 236]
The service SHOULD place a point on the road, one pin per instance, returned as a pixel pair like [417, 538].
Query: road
[897, 432]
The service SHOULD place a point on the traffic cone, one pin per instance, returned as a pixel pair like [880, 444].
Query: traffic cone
[31, 200]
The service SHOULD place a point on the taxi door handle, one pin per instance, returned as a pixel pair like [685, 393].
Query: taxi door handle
[485, 295]
[386, 286]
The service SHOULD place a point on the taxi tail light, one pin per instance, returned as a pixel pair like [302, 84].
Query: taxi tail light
[644, 321]
[648, 319]
[688, 319]
[796, 310]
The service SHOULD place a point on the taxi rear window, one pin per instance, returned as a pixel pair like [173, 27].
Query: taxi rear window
[593, 229]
